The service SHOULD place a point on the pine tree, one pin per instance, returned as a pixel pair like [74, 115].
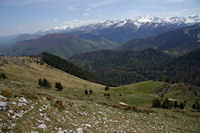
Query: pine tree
[58, 86]
[182, 105]
[167, 104]
[175, 104]
[46, 84]
[107, 88]
[3, 76]
[40, 82]
[194, 106]
[156, 103]
[86, 92]
[91, 92]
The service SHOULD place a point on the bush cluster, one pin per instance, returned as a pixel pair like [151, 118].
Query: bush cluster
[107, 94]
[44, 83]
[90, 91]
[167, 104]
[196, 105]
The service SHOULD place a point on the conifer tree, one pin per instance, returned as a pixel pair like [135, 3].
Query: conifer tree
[58, 86]
[86, 92]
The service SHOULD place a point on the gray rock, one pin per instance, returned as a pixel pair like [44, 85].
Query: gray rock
[3, 106]
[2, 97]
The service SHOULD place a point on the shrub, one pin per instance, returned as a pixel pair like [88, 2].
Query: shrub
[91, 92]
[196, 105]
[86, 92]
[107, 88]
[167, 104]
[40, 83]
[182, 105]
[58, 86]
[3, 76]
[156, 103]
[175, 104]
[44, 83]
[107, 94]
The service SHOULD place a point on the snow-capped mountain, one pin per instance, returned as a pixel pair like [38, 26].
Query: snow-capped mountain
[119, 31]
[140, 21]
[141, 27]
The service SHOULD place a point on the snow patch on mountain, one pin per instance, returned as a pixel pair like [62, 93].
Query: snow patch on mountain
[137, 22]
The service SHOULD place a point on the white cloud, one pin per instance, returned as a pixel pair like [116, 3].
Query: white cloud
[19, 27]
[71, 8]
[55, 20]
[87, 10]
[86, 14]
[76, 23]
[104, 2]
[75, 20]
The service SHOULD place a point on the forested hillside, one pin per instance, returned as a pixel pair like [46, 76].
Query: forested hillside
[184, 69]
[68, 67]
[124, 67]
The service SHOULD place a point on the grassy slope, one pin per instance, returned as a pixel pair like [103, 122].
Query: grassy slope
[30, 72]
[80, 109]
[139, 94]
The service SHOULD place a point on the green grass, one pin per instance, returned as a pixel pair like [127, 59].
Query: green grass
[138, 94]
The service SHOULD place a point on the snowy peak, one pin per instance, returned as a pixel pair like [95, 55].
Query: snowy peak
[149, 20]
[183, 20]
[140, 21]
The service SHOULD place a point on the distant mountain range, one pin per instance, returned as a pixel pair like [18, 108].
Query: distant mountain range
[61, 44]
[169, 35]
[119, 31]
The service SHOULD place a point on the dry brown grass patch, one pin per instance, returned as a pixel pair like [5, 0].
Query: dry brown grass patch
[6, 94]
[31, 95]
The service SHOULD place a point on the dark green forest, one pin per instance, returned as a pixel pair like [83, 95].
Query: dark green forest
[125, 67]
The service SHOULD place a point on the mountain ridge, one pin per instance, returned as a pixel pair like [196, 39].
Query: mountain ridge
[61, 44]
[179, 42]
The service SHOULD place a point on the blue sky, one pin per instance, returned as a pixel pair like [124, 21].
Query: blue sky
[28, 16]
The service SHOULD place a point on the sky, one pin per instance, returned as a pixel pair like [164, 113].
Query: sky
[29, 16]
